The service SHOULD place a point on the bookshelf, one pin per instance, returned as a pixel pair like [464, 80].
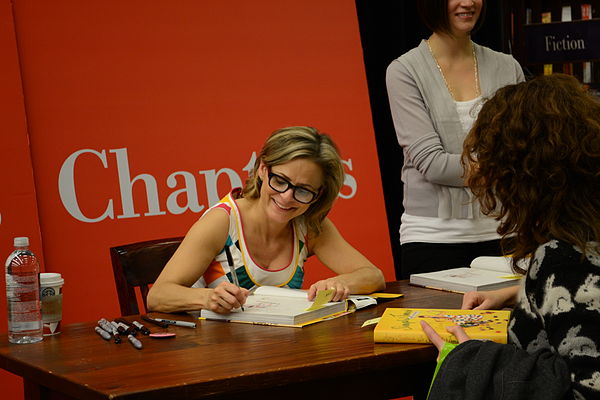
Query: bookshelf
[548, 36]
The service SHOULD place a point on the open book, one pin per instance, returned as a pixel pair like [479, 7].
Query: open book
[485, 273]
[271, 305]
[402, 325]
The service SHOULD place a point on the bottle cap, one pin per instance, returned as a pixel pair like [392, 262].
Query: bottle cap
[21, 241]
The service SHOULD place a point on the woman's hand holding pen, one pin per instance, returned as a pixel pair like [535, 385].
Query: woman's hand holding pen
[226, 297]
[341, 290]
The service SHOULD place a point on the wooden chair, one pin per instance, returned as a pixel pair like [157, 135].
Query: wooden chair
[138, 265]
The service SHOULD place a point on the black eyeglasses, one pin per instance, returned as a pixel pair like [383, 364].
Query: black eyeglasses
[279, 184]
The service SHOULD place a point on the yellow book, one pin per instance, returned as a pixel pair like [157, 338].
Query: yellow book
[402, 325]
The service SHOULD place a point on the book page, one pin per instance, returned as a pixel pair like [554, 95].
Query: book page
[281, 291]
[275, 305]
[464, 279]
[361, 301]
[500, 264]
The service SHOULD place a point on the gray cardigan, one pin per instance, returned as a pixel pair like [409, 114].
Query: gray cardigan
[429, 130]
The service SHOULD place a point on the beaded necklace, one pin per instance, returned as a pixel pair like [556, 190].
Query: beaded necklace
[477, 90]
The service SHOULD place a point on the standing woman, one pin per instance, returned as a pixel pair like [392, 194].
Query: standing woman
[265, 231]
[435, 92]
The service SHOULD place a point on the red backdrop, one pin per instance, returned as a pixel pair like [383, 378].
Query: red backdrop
[139, 115]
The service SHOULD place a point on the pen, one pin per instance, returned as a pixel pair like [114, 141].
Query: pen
[216, 319]
[234, 276]
[176, 323]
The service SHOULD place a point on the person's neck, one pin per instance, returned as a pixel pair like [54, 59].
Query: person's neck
[257, 223]
[450, 47]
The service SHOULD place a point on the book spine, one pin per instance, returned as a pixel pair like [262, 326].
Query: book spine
[566, 17]
[586, 13]
[442, 289]
[546, 18]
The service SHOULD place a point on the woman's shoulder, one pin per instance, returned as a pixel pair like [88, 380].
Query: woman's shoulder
[228, 202]
[559, 260]
[497, 69]
[412, 55]
[560, 249]
[413, 63]
[484, 53]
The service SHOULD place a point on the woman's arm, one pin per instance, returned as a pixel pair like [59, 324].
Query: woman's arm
[172, 292]
[487, 370]
[356, 274]
[415, 131]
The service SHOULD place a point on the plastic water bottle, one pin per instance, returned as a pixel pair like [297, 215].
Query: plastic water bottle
[23, 294]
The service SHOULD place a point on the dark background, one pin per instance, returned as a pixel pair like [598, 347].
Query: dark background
[389, 28]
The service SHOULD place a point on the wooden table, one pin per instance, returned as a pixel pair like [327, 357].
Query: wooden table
[218, 360]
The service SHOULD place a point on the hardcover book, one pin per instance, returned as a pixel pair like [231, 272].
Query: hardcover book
[485, 273]
[271, 305]
[402, 325]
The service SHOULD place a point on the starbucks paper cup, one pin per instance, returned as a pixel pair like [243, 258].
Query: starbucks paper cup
[51, 296]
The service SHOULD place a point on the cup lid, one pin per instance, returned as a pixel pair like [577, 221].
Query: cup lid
[51, 279]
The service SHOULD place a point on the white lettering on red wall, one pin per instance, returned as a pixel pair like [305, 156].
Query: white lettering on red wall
[182, 187]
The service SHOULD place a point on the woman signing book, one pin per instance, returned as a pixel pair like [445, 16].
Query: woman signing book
[262, 234]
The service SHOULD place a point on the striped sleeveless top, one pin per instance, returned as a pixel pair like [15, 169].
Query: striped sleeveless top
[249, 273]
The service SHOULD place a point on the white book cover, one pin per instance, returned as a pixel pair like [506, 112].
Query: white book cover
[484, 273]
[271, 305]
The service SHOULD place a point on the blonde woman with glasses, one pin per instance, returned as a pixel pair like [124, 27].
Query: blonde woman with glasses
[262, 234]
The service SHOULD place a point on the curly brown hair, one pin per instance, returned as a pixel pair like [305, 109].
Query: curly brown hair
[533, 162]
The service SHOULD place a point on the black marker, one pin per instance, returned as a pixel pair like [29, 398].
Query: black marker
[119, 327]
[155, 322]
[104, 324]
[136, 343]
[105, 335]
[141, 328]
[128, 329]
[128, 326]
[176, 322]
[234, 276]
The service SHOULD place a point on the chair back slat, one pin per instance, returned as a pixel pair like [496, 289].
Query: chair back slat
[138, 265]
